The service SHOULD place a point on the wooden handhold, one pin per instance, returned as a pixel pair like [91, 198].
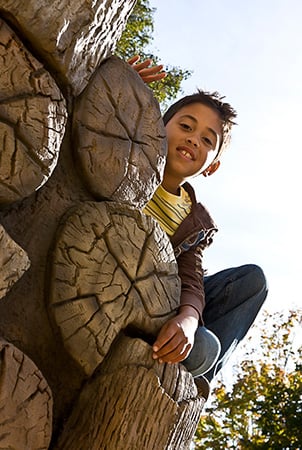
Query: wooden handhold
[32, 120]
[25, 402]
[113, 267]
[119, 136]
[133, 402]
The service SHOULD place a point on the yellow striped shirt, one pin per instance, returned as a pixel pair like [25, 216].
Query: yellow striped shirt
[169, 209]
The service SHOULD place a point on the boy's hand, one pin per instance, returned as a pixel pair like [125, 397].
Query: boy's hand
[176, 338]
[148, 74]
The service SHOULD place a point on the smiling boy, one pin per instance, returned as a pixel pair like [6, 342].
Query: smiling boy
[215, 311]
[194, 134]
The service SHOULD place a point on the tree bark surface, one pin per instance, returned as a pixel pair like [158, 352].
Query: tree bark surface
[151, 399]
[71, 37]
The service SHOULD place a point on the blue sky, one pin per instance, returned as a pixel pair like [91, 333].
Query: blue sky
[250, 52]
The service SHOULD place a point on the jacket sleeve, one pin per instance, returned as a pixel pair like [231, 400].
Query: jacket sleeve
[191, 273]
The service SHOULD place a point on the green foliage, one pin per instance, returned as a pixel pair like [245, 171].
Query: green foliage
[136, 40]
[263, 409]
[138, 32]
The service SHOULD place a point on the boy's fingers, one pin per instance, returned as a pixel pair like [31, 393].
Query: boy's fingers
[169, 342]
[171, 348]
[142, 65]
[159, 345]
[173, 353]
[150, 78]
[133, 59]
[177, 355]
[147, 74]
[151, 70]
[164, 336]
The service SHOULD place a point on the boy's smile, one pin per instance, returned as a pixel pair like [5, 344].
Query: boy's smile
[194, 135]
[186, 152]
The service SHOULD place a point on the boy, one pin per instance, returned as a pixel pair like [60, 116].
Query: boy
[215, 311]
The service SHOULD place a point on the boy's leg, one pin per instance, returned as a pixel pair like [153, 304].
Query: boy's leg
[204, 353]
[233, 299]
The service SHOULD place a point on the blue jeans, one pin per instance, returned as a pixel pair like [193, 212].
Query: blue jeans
[233, 299]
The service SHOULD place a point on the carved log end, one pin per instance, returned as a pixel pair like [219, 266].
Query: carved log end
[25, 402]
[119, 136]
[13, 262]
[73, 37]
[112, 267]
[32, 120]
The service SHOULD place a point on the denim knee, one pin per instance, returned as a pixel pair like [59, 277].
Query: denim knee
[204, 354]
[257, 275]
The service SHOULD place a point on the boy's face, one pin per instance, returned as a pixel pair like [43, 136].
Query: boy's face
[194, 135]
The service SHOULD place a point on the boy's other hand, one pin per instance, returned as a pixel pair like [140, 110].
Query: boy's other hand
[148, 74]
[176, 338]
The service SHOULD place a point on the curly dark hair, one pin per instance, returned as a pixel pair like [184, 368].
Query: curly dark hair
[213, 100]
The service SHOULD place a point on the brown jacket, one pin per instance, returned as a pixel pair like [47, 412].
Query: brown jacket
[193, 235]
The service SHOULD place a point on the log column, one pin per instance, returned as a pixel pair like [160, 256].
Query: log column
[133, 402]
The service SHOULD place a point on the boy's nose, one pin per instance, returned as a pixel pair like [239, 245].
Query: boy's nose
[193, 140]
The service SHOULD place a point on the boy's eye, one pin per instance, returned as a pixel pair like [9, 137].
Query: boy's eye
[185, 126]
[208, 142]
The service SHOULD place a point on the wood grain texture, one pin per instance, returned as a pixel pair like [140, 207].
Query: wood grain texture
[72, 37]
[119, 135]
[133, 403]
[32, 120]
[25, 402]
[13, 262]
[112, 267]
[103, 277]
[33, 223]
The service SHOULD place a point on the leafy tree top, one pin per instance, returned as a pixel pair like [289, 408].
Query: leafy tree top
[137, 39]
[263, 408]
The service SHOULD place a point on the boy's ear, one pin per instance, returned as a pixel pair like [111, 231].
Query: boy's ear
[211, 169]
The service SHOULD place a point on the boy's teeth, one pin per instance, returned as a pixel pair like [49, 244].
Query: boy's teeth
[186, 154]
